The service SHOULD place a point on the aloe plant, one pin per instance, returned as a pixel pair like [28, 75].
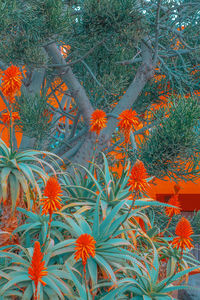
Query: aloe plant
[85, 186]
[84, 189]
[36, 225]
[126, 259]
[19, 173]
[146, 284]
[15, 278]
[112, 252]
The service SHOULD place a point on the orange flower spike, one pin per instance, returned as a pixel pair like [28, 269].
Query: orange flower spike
[137, 179]
[128, 121]
[37, 270]
[6, 117]
[52, 193]
[98, 121]
[171, 211]
[85, 247]
[65, 49]
[183, 232]
[11, 82]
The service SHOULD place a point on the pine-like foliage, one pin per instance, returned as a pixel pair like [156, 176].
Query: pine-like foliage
[34, 116]
[113, 29]
[26, 25]
[173, 147]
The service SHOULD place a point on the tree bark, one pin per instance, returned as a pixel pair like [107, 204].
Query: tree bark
[75, 88]
[143, 74]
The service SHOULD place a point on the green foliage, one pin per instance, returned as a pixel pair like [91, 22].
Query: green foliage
[110, 17]
[18, 173]
[114, 28]
[127, 260]
[160, 220]
[15, 280]
[34, 116]
[26, 25]
[172, 147]
[36, 225]
[147, 287]
[85, 187]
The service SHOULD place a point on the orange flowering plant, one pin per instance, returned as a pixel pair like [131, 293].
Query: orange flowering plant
[19, 184]
[96, 244]
[171, 211]
[37, 270]
[98, 121]
[6, 117]
[11, 82]
[31, 274]
[128, 121]
[19, 171]
[138, 178]
[51, 202]
[183, 235]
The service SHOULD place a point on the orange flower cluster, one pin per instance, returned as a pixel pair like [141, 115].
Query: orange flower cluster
[85, 247]
[37, 269]
[6, 117]
[65, 49]
[11, 82]
[98, 121]
[171, 211]
[137, 179]
[183, 232]
[52, 193]
[128, 121]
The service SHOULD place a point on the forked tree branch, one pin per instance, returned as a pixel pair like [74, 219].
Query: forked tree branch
[144, 73]
[76, 89]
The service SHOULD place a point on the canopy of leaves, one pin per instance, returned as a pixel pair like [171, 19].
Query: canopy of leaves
[105, 42]
[101, 34]
[34, 116]
[26, 25]
[173, 147]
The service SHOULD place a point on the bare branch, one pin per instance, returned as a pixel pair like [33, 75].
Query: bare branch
[75, 124]
[129, 62]
[72, 152]
[79, 59]
[144, 73]
[94, 77]
[76, 89]
[157, 32]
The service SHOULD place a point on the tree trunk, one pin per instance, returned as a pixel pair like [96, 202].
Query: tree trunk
[143, 74]
[83, 155]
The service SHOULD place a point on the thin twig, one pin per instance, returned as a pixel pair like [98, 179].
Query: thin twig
[79, 59]
[157, 32]
[130, 61]
[94, 77]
